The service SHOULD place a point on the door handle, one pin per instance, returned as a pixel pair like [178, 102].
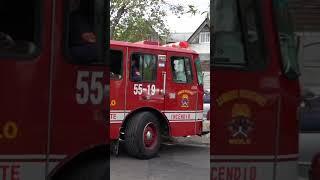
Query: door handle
[164, 74]
[161, 92]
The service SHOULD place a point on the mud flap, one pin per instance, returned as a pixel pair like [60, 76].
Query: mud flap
[115, 148]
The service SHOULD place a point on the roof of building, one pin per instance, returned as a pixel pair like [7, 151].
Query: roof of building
[199, 29]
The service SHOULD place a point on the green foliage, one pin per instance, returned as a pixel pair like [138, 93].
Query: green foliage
[136, 20]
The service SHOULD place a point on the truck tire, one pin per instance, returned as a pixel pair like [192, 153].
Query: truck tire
[142, 135]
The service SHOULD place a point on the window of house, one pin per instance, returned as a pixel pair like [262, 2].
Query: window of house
[116, 58]
[20, 31]
[181, 69]
[143, 67]
[204, 37]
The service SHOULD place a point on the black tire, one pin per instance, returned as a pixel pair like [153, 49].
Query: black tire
[97, 169]
[136, 131]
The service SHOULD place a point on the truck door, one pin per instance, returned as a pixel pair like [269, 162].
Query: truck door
[24, 62]
[145, 80]
[254, 100]
[80, 80]
[181, 94]
[118, 55]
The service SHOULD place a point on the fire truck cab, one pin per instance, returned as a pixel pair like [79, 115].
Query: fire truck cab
[155, 92]
[53, 96]
[256, 91]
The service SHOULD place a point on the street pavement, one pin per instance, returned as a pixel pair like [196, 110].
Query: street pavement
[183, 160]
[186, 158]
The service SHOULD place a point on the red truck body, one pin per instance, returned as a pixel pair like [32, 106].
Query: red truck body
[52, 107]
[256, 92]
[175, 99]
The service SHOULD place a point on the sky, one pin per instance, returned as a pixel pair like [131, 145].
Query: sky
[187, 23]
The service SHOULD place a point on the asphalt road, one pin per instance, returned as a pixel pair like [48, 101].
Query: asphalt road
[182, 160]
[187, 159]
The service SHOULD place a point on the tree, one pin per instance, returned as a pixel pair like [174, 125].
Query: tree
[135, 20]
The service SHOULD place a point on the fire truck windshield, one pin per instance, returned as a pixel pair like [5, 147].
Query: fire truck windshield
[287, 39]
[199, 72]
[237, 34]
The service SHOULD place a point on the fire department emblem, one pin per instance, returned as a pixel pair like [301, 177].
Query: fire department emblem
[240, 125]
[185, 100]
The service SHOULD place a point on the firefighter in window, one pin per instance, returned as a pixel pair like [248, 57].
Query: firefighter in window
[135, 70]
[82, 37]
[179, 71]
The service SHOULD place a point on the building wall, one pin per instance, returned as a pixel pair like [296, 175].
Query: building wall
[206, 80]
[202, 48]
[309, 59]
[204, 55]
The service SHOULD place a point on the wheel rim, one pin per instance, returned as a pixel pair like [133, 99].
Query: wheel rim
[150, 136]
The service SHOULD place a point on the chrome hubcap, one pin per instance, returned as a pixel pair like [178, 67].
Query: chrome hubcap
[149, 135]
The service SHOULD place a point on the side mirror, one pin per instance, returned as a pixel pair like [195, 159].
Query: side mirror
[314, 173]
[308, 94]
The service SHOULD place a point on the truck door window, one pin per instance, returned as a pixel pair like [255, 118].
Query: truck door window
[81, 32]
[237, 38]
[229, 48]
[20, 31]
[143, 67]
[181, 69]
[116, 64]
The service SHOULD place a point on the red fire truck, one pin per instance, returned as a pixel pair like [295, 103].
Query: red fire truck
[51, 119]
[256, 91]
[155, 91]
